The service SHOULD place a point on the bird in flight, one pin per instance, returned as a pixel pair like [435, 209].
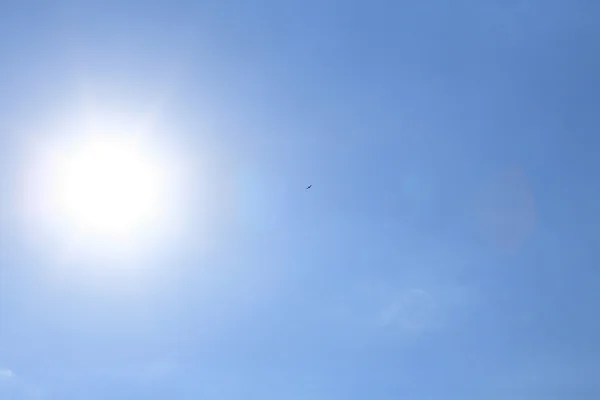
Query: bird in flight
[309, 186]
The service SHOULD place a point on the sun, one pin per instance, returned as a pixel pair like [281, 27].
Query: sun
[108, 186]
[104, 186]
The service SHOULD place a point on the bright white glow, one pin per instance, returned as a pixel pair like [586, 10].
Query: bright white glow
[107, 186]
[101, 184]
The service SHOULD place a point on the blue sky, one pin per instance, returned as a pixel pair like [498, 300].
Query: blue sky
[447, 250]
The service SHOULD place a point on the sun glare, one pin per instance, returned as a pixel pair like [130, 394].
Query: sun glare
[108, 186]
[103, 186]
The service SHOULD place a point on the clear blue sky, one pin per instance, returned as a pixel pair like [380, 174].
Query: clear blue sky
[449, 248]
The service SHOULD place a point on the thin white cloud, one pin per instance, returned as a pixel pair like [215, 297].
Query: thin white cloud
[412, 311]
[17, 387]
[6, 373]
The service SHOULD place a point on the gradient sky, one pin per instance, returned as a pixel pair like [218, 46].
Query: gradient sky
[449, 248]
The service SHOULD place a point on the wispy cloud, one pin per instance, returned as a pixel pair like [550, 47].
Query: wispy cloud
[412, 310]
[6, 373]
[409, 309]
[17, 387]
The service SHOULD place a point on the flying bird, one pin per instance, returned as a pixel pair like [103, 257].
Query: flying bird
[309, 186]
